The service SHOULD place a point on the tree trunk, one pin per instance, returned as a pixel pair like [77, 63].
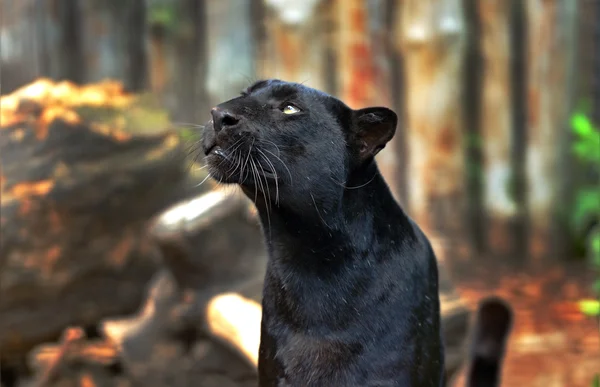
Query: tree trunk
[158, 64]
[136, 58]
[113, 39]
[189, 75]
[519, 109]
[472, 106]
[357, 73]
[551, 32]
[495, 123]
[432, 40]
[231, 49]
[364, 66]
[70, 50]
[294, 48]
[20, 28]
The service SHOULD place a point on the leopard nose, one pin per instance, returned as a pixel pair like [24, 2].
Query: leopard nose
[223, 118]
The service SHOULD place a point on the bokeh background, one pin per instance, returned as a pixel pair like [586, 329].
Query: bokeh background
[116, 251]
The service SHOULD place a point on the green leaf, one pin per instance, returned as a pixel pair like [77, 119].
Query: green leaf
[590, 307]
[596, 286]
[587, 205]
[581, 125]
[162, 15]
[595, 245]
[587, 150]
[596, 381]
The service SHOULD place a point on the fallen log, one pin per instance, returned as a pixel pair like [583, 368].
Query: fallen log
[233, 288]
[160, 344]
[83, 170]
[50, 361]
[209, 245]
[235, 320]
[195, 327]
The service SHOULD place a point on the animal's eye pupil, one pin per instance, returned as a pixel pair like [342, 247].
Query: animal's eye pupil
[290, 109]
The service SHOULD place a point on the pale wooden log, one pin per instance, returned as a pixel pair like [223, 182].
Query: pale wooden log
[551, 38]
[235, 320]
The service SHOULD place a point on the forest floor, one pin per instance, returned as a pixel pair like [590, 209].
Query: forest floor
[552, 344]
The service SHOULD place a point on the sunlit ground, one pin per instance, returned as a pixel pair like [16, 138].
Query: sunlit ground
[552, 343]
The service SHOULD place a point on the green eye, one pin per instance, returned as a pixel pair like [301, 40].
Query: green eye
[290, 109]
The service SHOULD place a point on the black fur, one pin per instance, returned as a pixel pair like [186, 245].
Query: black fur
[492, 329]
[351, 289]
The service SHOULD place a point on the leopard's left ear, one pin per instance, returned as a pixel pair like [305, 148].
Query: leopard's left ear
[373, 128]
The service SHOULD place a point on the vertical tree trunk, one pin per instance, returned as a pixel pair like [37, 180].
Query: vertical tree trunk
[231, 48]
[357, 73]
[380, 38]
[41, 11]
[70, 48]
[496, 125]
[472, 106]
[19, 59]
[295, 46]
[398, 98]
[363, 72]
[518, 72]
[103, 34]
[113, 38]
[191, 63]
[136, 61]
[551, 27]
[157, 58]
[432, 40]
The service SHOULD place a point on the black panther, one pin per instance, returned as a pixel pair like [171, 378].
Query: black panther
[350, 295]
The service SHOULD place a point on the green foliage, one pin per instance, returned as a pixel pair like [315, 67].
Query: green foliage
[587, 201]
[587, 144]
[587, 149]
[587, 206]
[590, 307]
[162, 14]
[595, 246]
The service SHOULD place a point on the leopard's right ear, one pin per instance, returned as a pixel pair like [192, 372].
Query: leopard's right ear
[373, 128]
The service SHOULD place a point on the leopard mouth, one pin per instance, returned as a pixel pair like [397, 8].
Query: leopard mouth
[236, 171]
[217, 151]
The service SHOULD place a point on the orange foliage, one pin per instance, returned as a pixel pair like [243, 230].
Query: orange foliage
[38, 188]
[54, 100]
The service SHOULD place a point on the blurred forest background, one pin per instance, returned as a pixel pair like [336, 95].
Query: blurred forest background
[497, 157]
